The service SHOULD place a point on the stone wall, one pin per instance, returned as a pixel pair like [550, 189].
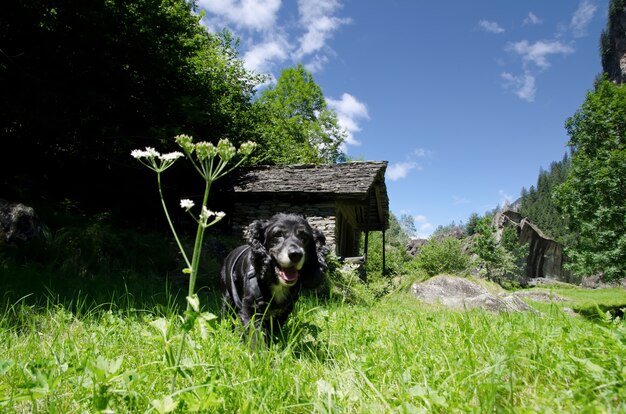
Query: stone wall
[321, 216]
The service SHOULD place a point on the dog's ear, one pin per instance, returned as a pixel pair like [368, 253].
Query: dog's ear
[256, 234]
[315, 266]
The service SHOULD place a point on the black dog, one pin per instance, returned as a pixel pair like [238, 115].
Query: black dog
[261, 281]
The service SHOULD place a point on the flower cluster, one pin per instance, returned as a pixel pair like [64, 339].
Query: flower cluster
[154, 160]
[207, 217]
[186, 204]
[207, 214]
[205, 150]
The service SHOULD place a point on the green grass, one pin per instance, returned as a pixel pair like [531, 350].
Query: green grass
[592, 303]
[393, 355]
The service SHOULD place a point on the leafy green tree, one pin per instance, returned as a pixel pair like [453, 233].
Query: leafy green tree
[593, 197]
[500, 260]
[298, 126]
[85, 82]
[538, 205]
[514, 254]
[472, 222]
[443, 255]
[485, 246]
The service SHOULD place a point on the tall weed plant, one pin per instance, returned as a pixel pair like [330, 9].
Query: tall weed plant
[211, 163]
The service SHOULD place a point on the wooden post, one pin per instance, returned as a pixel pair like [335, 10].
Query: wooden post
[367, 229]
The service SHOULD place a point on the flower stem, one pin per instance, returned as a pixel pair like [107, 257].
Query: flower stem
[169, 221]
[197, 249]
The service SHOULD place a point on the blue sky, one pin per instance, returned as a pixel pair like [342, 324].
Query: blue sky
[466, 100]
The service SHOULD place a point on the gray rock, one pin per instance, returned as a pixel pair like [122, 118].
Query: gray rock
[538, 296]
[18, 223]
[458, 293]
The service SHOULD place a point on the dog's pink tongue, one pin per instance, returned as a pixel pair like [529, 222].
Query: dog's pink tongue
[289, 275]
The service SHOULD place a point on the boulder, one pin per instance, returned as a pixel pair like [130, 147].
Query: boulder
[459, 293]
[540, 296]
[18, 223]
[414, 246]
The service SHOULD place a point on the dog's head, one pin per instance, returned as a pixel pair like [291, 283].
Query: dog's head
[296, 251]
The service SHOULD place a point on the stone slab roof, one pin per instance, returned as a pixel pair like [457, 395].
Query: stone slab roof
[359, 183]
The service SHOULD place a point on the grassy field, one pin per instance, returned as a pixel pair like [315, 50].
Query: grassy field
[393, 355]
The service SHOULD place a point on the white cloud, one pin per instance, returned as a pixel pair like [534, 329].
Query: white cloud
[422, 153]
[316, 63]
[317, 17]
[491, 27]
[505, 199]
[271, 41]
[532, 19]
[423, 226]
[538, 52]
[349, 112]
[249, 14]
[523, 86]
[260, 57]
[400, 170]
[582, 17]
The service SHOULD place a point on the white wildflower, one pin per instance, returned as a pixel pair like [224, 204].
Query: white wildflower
[138, 153]
[151, 152]
[186, 203]
[172, 156]
[206, 214]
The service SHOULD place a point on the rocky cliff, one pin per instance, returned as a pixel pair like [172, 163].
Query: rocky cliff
[613, 43]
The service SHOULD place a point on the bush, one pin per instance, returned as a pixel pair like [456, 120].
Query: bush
[443, 255]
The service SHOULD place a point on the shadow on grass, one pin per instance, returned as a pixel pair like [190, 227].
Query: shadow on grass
[600, 313]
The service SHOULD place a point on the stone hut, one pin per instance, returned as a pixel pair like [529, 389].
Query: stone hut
[343, 200]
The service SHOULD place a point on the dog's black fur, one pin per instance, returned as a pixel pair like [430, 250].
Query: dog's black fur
[261, 281]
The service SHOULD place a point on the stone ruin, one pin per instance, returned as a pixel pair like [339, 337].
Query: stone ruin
[545, 257]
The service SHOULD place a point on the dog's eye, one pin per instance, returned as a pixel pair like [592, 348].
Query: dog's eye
[278, 234]
[303, 235]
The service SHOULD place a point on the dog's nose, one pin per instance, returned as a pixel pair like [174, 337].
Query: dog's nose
[295, 255]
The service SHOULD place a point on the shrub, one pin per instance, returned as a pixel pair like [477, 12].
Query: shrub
[443, 255]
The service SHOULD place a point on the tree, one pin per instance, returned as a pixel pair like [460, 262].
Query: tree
[538, 205]
[485, 246]
[503, 259]
[407, 222]
[298, 126]
[593, 198]
[472, 222]
[86, 81]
